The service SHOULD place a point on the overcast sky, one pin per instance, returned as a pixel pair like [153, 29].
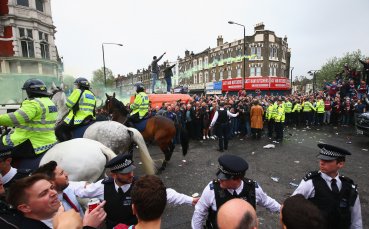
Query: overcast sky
[317, 30]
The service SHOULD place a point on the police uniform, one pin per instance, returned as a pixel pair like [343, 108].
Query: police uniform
[221, 122]
[337, 197]
[118, 203]
[13, 174]
[214, 196]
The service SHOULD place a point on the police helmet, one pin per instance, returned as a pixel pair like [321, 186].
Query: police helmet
[82, 83]
[35, 88]
[139, 87]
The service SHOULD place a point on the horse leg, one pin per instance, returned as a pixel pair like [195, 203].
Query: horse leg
[167, 148]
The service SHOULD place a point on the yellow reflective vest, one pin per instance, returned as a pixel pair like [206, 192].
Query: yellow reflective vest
[280, 114]
[288, 107]
[35, 120]
[297, 107]
[86, 103]
[269, 112]
[320, 106]
[140, 105]
[307, 106]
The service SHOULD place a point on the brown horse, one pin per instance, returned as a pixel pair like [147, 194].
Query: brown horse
[159, 129]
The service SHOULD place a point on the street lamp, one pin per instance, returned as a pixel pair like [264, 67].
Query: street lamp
[313, 72]
[244, 50]
[102, 45]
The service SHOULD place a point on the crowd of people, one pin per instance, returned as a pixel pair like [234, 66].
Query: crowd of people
[45, 198]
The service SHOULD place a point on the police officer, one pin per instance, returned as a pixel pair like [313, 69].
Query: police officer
[10, 174]
[279, 121]
[230, 183]
[82, 104]
[320, 108]
[221, 122]
[117, 192]
[335, 195]
[34, 121]
[140, 106]
[269, 115]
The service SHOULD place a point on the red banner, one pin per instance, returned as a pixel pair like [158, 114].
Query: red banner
[254, 83]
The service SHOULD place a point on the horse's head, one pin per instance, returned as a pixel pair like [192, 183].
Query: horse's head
[112, 104]
[60, 99]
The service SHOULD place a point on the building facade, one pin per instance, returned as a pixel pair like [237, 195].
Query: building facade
[27, 34]
[267, 59]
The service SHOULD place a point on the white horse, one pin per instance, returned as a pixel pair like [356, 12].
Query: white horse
[112, 134]
[83, 159]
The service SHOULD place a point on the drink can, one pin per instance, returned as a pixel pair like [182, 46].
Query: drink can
[93, 203]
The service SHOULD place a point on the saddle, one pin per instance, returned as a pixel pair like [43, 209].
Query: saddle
[141, 125]
[79, 131]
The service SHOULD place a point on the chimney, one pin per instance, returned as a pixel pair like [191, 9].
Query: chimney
[187, 53]
[219, 41]
[259, 26]
[285, 38]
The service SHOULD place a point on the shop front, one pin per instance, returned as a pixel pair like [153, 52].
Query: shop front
[259, 85]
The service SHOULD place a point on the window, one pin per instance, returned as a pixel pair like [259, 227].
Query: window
[229, 74]
[44, 45]
[252, 71]
[206, 62]
[195, 79]
[200, 64]
[258, 71]
[253, 52]
[273, 52]
[40, 5]
[26, 39]
[200, 78]
[272, 71]
[213, 78]
[239, 52]
[206, 77]
[195, 65]
[220, 75]
[23, 3]
[239, 72]
[258, 52]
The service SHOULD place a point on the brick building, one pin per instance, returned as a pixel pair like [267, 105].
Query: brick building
[267, 65]
[27, 34]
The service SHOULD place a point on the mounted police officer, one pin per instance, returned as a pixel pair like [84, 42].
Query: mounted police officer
[230, 183]
[221, 122]
[335, 195]
[82, 104]
[34, 121]
[140, 106]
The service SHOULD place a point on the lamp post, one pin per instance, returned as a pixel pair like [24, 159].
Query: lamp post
[102, 45]
[244, 51]
[313, 72]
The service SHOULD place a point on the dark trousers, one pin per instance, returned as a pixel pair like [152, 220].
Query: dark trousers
[63, 132]
[222, 133]
[169, 83]
[270, 127]
[256, 133]
[319, 118]
[308, 115]
[279, 131]
[288, 118]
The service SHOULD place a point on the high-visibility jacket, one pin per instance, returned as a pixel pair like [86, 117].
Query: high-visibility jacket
[86, 106]
[34, 120]
[297, 107]
[269, 112]
[320, 106]
[275, 107]
[280, 114]
[307, 106]
[288, 107]
[140, 105]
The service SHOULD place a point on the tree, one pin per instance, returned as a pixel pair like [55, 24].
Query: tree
[98, 78]
[335, 65]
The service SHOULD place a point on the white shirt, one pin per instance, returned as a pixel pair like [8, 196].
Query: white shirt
[9, 175]
[97, 190]
[216, 116]
[207, 200]
[306, 188]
